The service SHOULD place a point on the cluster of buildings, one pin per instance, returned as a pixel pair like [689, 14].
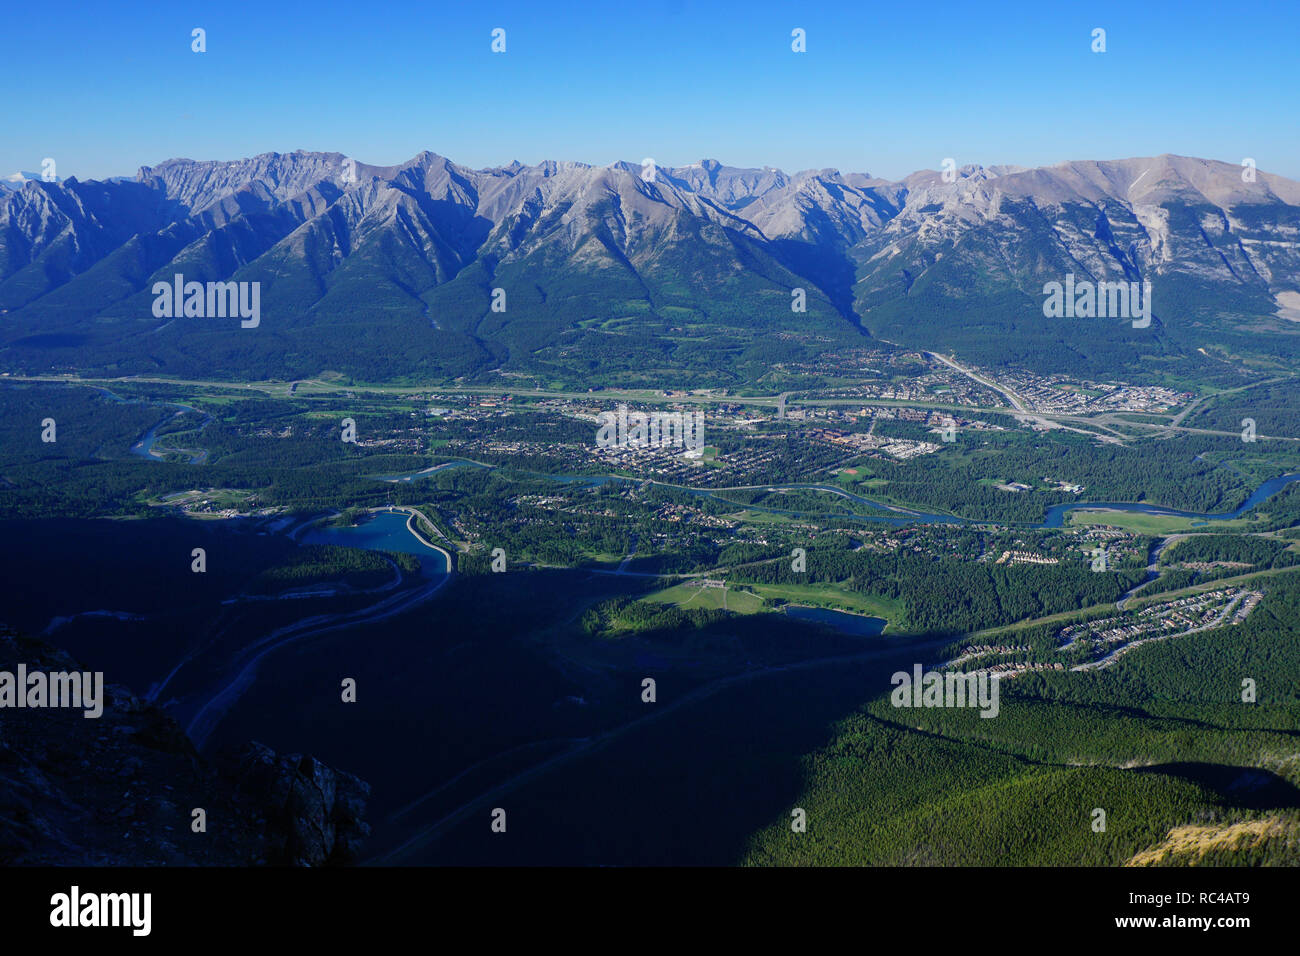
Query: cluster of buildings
[1025, 557]
[899, 448]
[904, 376]
[1009, 669]
[1166, 619]
[1052, 484]
[972, 651]
[1110, 637]
[1061, 395]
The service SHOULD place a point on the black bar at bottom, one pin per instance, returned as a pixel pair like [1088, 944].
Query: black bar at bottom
[302, 906]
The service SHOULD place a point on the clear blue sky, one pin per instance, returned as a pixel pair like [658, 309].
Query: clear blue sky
[105, 87]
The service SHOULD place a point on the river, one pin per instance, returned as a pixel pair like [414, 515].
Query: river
[143, 446]
[1053, 518]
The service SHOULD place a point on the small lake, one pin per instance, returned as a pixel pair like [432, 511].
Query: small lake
[380, 531]
[859, 625]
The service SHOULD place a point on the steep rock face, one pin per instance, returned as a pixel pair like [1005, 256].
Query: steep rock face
[963, 265]
[194, 187]
[120, 790]
[315, 813]
[1161, 216]
[450, 215]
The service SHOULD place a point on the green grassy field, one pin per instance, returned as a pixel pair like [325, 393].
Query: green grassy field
[688, 595]
[1140, 523]
[693, 596]
[830, 596]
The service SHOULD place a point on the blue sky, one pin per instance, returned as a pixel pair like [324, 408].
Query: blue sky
[883, 88]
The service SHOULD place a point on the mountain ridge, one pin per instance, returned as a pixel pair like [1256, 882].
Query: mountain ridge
[590, 253]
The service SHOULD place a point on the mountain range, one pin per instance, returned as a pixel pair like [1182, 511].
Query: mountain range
[632, 274]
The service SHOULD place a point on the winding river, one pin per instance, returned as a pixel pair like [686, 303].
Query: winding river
[1053, 518]
[1056, 515]
[143, 446]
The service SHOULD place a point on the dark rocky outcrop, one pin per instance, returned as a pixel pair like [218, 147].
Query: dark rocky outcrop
[314, 813]
[120, 790]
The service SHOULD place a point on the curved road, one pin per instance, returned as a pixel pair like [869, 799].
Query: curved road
[218, 704]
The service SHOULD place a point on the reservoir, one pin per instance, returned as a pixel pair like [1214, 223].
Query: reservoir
[858, 625]
[381, 531]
